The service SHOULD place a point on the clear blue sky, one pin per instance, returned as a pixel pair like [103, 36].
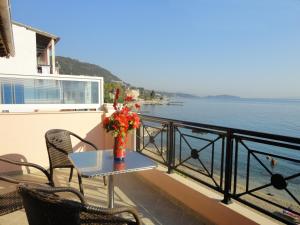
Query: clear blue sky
[249, 48]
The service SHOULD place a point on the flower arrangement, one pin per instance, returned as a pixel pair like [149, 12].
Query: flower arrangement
[122, 120]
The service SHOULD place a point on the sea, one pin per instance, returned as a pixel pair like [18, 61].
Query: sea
[275, 116]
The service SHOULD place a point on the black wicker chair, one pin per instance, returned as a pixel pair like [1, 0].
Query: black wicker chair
[10, 200]
[44, 206]
[59, 145]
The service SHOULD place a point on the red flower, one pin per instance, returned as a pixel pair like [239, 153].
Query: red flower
[125, 110]
[128, 98]
[116, 98]
[106, 121]
[123, 119]
[138, 106]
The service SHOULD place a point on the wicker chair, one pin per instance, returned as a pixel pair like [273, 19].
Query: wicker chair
[44, 206]
[59, 145]
[10, 200]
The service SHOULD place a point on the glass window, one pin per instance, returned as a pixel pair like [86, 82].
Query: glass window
[7, 94]
[19, 94]
[48, 91]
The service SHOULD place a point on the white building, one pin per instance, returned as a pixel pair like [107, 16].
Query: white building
[34, 52]
[28, 75]
[134, 93]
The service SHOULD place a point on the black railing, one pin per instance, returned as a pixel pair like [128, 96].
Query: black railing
[260, 170]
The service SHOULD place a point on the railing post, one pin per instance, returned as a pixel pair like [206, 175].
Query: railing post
[170, 148]
[228, 167]
[138, 139]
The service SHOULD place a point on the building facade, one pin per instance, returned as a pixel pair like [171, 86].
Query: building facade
[34, 52]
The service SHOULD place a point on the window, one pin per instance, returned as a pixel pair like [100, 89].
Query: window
[60, 91]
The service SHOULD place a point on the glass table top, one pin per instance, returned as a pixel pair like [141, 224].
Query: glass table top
[101, 163]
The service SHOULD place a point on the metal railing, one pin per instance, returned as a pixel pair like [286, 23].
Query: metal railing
[258, 169]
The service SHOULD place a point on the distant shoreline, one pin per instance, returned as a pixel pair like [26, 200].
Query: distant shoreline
[176, 101]
[161, 102]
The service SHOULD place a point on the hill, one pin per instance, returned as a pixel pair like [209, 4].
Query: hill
[229, 97]
[76, 67]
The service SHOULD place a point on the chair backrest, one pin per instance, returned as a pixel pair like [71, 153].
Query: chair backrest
[48, 209]
[43, 206]
[59, 145]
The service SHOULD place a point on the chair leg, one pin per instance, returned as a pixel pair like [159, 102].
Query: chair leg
[104, 181]
[80, 184]
[51, 175]
[71, 174]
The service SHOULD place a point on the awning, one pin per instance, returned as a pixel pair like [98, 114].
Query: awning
[7, 47]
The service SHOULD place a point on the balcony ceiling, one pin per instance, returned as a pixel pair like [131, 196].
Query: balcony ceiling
[42, 43]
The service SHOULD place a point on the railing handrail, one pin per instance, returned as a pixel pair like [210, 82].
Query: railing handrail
[52, 76]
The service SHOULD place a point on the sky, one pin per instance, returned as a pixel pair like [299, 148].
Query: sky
[248, 48]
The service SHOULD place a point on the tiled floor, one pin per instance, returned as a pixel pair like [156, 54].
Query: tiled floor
[154, 206]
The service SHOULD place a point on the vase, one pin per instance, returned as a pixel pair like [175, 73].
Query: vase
[120, 148]
[119, 165]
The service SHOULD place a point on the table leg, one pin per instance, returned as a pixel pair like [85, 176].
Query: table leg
[110, 191]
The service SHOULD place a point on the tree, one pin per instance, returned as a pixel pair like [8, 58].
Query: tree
[152, 94]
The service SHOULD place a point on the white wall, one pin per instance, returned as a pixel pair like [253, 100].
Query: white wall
[22, 134]
[24, 61]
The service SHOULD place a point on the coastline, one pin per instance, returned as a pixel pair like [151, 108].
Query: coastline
[153, 102]
[160, 102]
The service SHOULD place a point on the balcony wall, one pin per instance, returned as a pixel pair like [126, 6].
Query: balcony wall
[22, 134]
[202, 200]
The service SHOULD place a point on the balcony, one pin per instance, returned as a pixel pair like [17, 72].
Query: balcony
[23, 93]
[179, 191]
[44, 69]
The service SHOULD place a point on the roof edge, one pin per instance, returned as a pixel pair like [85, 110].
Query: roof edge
[56, 38]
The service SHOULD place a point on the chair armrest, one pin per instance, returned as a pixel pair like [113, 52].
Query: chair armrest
[43, 170]
[83, 140]
[9, 180]
[113, 211]
[15, 181]
[52, 190]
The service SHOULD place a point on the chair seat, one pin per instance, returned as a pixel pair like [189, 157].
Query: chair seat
[10, 201]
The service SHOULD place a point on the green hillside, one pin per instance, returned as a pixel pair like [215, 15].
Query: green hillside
[76, 67]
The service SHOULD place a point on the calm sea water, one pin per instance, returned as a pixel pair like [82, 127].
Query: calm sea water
[271, 116]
